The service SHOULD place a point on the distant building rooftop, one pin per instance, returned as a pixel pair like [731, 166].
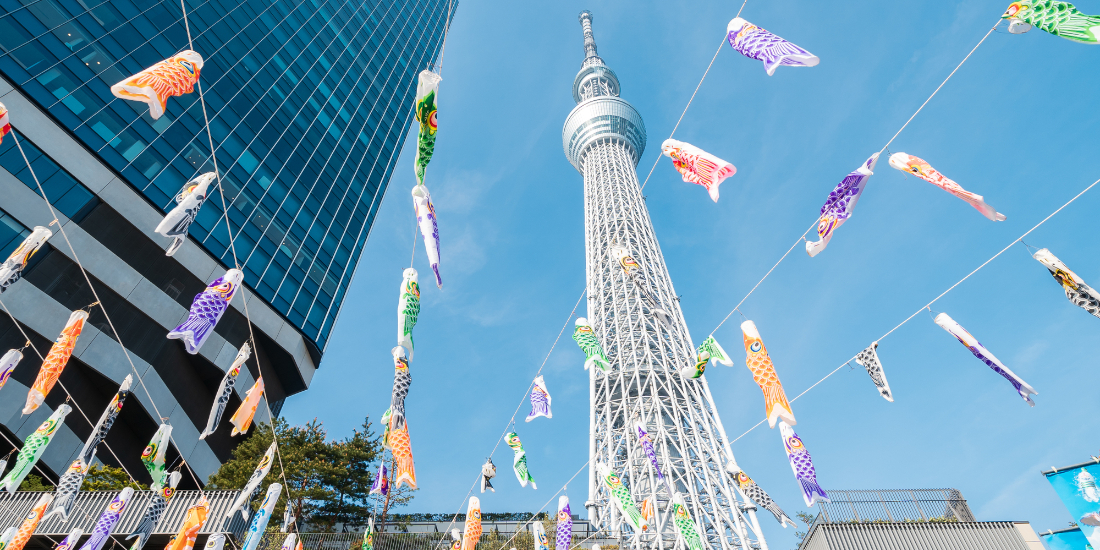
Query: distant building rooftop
[911, 519]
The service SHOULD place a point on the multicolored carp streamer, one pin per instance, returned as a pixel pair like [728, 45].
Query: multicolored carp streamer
[381, 485]
[368, 535]
[540, 400]
[620, 495]
[519, 461]
[471, 530]
[289, 542]
[288, 518]
[696, 370]
[717, 353]
[216, 541]
[759, 362]
[750, 489]
[30, 522]
[756, 43]
[5, 127]
[174, 76]
[488, 471]
[868, 358]
[685, 526]
[564, 535]
[252, 488]
[802, 466]
[106, 420]
[427, 86]
[649, 510]
[920, 168]
[12, 268]
[593, 352]
[225, 391]
[242, 419]
[154, 454]
[840, 204]
[262, 516]
[1058, 18]
[538, 531]
[402, 381]
[971, 343]
[188, 202]
[8, 362]
[429, 227]
[404, 470]
[650, 451]
[698, 166]
[55, 361]
[6, 537]
[3, 466]
[68, 487]
[32, 450]
[157, 506]
[408, 309]
[68, 543]
[107, 520]
[456, 540]
[184, 539]
[637, 275]
[1079, 293]
[207, 310]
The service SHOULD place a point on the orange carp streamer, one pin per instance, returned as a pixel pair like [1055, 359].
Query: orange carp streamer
[763, 373]
[55, 361]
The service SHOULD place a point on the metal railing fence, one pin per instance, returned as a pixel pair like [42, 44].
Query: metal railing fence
[90, 504]
[895, 506]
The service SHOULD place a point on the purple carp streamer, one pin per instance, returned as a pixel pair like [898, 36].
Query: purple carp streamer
[381, 485]
[429, 228]
[8, 362]
[564, 535]
[540, 400]
[756, 43]
[971, 343]
[207, 310]
[107, 520]
[802, 465]
[840, 204]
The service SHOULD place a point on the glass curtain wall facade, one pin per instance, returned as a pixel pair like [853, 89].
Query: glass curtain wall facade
[308, 101]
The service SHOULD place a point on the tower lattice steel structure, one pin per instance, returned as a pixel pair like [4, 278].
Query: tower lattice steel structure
[604, 138]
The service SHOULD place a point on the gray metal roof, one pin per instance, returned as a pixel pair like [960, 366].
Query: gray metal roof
[985, 535]
[90, 504]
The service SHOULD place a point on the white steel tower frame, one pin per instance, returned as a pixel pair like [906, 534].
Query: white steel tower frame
[604, 138]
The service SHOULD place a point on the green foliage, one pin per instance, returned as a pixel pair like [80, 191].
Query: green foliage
[102, 477]
[806, 519]
[34, 483]
[327, 482]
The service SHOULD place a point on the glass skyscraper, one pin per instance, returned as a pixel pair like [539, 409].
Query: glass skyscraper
[308, 102]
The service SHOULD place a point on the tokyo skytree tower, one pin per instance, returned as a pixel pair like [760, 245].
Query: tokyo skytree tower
[638, 321]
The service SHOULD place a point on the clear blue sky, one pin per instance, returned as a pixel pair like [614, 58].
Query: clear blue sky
[1017, 124]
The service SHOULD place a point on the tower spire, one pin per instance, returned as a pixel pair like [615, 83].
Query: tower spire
[589, 40]
[604, 138]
